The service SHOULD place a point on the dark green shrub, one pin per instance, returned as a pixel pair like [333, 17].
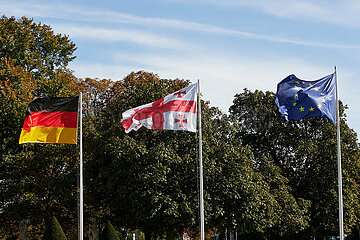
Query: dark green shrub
[109, 233]
[53, 230]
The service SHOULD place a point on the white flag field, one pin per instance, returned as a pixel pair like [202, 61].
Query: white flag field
[176, 111]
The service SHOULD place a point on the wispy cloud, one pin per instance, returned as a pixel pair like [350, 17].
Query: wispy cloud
[340, 12]
[221, 76]
[122, 35]
[163, 45]
[237, 70]
[216, 71]
[344, 12]
[157, 40]
[283, 8]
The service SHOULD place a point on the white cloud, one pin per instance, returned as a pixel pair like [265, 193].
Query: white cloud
[338, 12]
[283, 8]
[341, 12]
[221, 76]
[122, 35]
[100, 70]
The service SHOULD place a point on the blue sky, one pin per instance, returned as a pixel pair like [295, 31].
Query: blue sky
[228, 44]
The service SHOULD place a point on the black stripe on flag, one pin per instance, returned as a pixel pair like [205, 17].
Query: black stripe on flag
[54, 104]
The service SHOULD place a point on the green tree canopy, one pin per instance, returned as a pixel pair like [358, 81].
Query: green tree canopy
[34, 46]
[33, 176]
[149, 179]
[261, 173]
[305, 151]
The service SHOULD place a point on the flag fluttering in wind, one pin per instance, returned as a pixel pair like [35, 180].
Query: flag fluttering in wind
[297, 99]
[51, 120]
[176, 111]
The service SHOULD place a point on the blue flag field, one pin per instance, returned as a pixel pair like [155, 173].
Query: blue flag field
[298, 99]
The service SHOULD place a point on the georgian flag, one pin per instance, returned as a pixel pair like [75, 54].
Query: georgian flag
[176, 111]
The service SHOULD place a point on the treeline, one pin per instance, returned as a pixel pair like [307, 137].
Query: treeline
[262, 174]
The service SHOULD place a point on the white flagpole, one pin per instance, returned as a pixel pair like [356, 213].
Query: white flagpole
[81, 207]
[202, 228]
[341, 220]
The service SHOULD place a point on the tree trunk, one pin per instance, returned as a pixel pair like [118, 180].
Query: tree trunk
[23, 230]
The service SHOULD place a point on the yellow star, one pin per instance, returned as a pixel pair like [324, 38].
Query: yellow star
[294, 104]
[295, 95]
[322, 94]
[296, 87]
[319, 105]
[302, 109]
[316, 89]
[297, 82]
[303, 82]
[311, 109]
[323, 100]
[310, 85]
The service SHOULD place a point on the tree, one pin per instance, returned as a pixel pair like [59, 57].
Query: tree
[132, 173]
[34, 46]
[148, 179]
[54, 231]
[16, 87]
[261, 173]
[243, 198]
[305, 151]
[33, 63]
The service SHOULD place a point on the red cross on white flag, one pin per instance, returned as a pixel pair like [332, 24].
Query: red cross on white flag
[176, 111]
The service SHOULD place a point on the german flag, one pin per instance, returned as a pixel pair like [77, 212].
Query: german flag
[51, 120]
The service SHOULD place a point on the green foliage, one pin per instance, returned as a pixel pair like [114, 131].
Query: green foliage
[54, 231]
[262, 174]
[35, 47]
[109, 232]
[36, 179]
[305, 155]
[137, 176]
[148, 179]
[16, 87]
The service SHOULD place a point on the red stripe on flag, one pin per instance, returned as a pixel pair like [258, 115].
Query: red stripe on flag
[158, 108]
[51, 119]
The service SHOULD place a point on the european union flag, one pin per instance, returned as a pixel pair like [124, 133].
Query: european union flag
[297, 99]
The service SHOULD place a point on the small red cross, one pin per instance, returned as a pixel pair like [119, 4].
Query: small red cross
[179, 93]
[181, 121]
